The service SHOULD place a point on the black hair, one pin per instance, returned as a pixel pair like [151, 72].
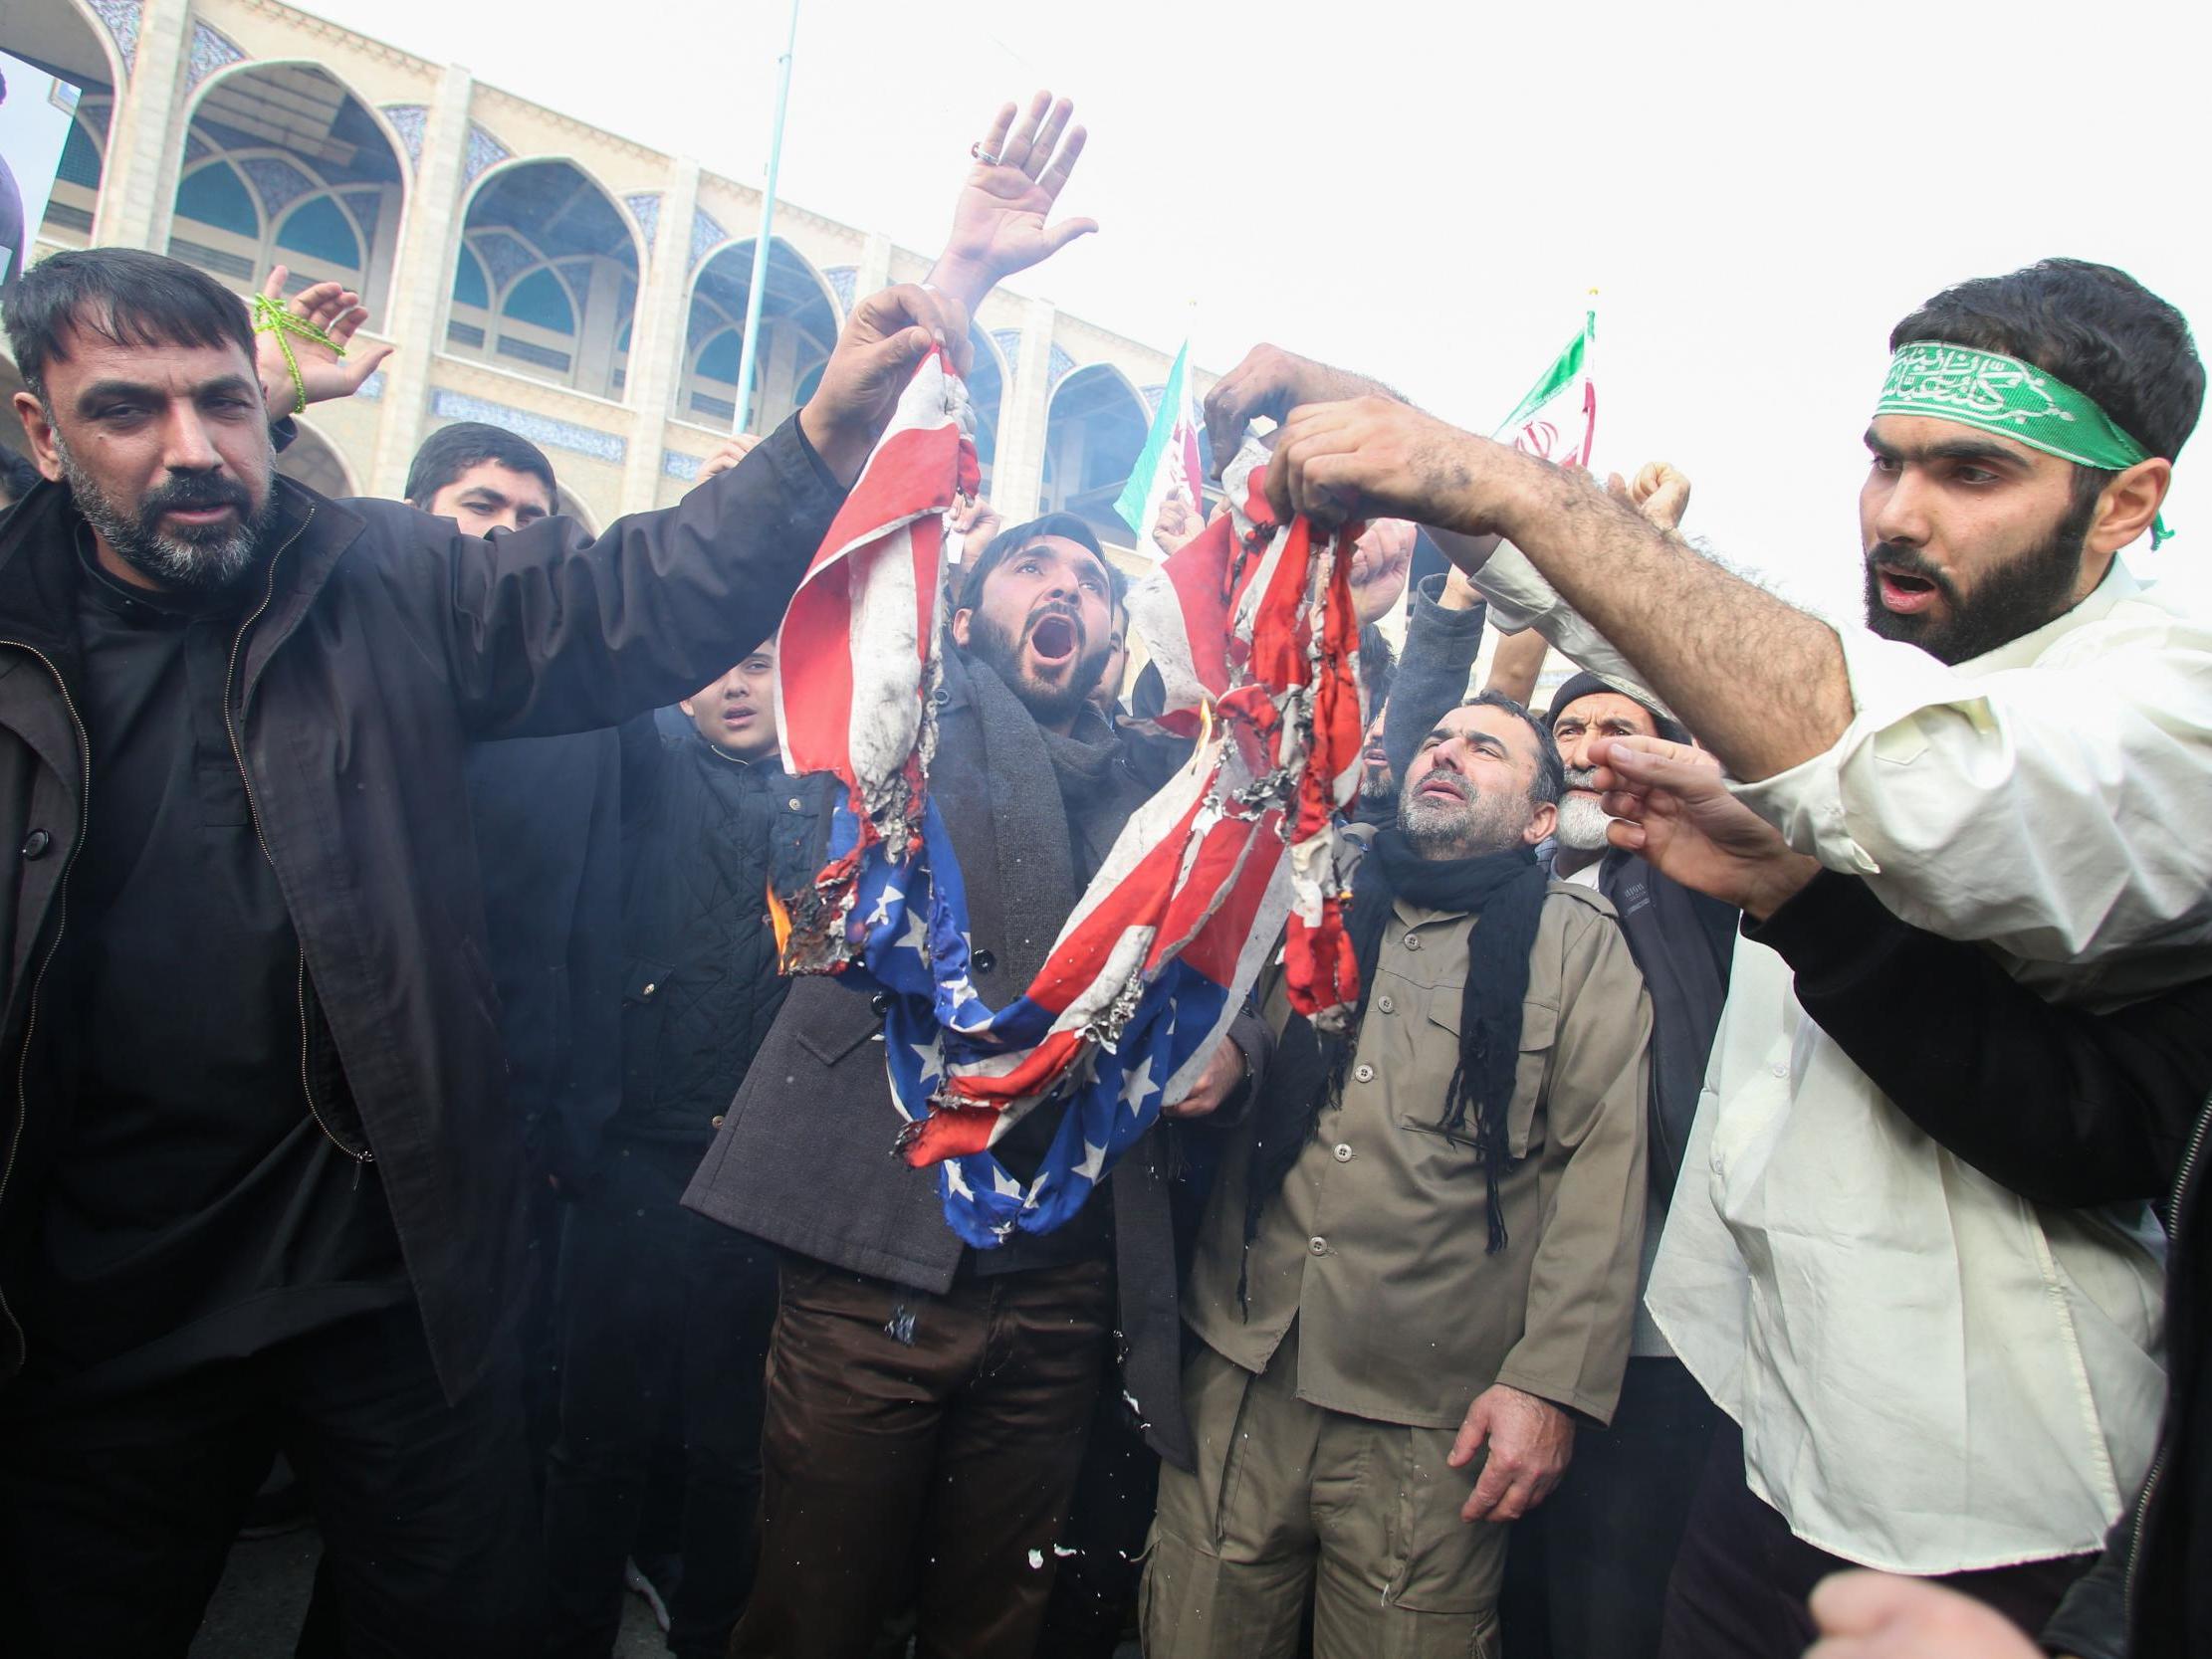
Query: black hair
[1378, 665]
[1550, 782]
[2095, 327]
[18, 478]
[452, 450]
[1008, 543]
[135, 300]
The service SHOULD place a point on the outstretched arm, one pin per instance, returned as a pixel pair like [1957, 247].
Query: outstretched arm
[1760, 681]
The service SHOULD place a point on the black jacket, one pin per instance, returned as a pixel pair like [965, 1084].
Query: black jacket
[382, 644]
[2066, 1108]
[546, 813]
[700, 987]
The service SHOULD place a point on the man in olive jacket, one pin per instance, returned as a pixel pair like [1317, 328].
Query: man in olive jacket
[1417, 1272]
[261, 1185]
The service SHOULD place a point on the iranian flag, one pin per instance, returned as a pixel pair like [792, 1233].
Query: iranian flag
[1558, 418]
[1168, 466]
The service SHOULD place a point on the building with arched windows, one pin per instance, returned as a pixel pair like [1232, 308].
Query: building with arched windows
[540, 274]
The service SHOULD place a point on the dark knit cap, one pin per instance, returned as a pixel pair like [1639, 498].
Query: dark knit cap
[1586, 683]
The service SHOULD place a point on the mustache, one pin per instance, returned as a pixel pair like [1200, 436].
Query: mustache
[192, 491]
[1905, 561]
[1581, 777]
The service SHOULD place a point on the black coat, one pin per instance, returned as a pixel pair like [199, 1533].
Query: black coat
[546, 813]
[384, 641]
[700, 988]
[2066, 1108]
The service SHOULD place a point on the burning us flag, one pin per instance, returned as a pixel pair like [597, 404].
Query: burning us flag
[1254, 626]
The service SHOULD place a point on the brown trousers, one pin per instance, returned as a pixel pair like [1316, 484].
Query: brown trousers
[920, 1451]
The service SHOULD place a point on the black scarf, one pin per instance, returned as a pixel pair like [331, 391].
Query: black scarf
[1505, 892]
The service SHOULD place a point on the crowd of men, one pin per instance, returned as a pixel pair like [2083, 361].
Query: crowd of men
[1764, 1146]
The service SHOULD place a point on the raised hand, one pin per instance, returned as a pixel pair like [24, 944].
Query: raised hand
[886, 335]
[1660, 491]
[1382, 560]
[999, 217]
[1672, 807]
[337, 311]
[1530, 1441]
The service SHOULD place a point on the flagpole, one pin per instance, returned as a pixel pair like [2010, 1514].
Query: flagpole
[757, 292]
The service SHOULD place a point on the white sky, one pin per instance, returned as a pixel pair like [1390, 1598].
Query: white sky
[1425, 191]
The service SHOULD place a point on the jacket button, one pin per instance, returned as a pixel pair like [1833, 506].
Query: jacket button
[1343, 1152]
[1412, 942]
[1318, 1245]
[716, 1119]
[881, 1004]
[36, 843]
[1386, 1005]
[792, 803]
[647, 994]
[982, 962]
[1364, 1074]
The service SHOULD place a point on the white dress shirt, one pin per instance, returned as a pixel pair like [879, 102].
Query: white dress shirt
[1933, 1374]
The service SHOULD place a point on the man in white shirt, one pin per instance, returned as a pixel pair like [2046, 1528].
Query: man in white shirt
[1931, 1374]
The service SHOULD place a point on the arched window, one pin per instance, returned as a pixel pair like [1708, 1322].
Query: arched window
[320, 229]
[540, 300]
[286, 166]
[216, 195]
[547, 281]
[797, 328]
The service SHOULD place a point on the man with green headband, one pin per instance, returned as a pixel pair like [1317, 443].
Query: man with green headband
[1927, 1374]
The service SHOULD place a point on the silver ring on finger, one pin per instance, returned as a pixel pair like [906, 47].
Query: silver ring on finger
[983, 155]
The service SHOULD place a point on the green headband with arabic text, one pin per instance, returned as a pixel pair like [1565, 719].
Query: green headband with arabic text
[2012, 399]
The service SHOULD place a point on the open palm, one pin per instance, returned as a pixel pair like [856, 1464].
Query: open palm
[1001, 218]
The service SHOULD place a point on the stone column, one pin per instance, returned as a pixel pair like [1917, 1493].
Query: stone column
[658, 335]
[1017, 476]
[422, 280]
[596, 331]
[138, 184]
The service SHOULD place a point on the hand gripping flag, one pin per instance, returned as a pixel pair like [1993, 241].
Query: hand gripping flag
[1144, 979]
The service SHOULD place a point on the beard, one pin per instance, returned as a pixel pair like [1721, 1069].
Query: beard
[1377, 785]
[199, 560]
[1048, 703]
[1581, 821]
[2016, 597]
[1469, 827]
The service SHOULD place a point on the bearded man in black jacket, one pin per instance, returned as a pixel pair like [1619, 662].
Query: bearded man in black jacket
[261, 1185]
